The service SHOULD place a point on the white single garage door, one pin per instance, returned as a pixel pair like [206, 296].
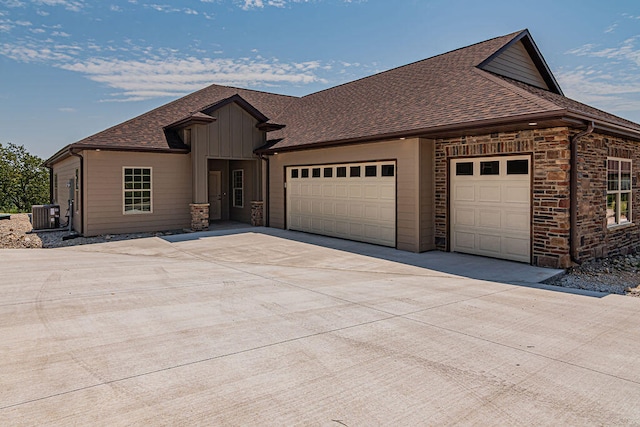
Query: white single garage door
[355, 201]
[490, 207]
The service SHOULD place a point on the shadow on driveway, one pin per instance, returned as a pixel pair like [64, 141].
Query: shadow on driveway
[471, 266]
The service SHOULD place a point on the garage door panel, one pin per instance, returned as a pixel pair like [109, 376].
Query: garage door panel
[356, 230]
[489, 243]
[328, 209]
[488, 193]
[491, 213]
[465, 216]
[305, 207]
[342, 228]
[489, 218]
[371, 212]
[515, 220]
[342, 191]
[355, 191]
[465, 240]
[371, 192]
[464, 192]
[518, 246]
[328, 190]
[387, 192]
[358, 208]
[328, 226]
[317, 224]
[387, 213]
[516, 194]
[341, 209]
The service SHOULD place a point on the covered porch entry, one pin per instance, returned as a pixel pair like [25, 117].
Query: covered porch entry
[232, 187]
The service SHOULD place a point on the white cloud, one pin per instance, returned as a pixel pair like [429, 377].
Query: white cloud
[67, 109]
[12, 3]
[7, 25]
[31, 53]
[611, 28]
[252, 4]
[626, 50]
[60, 34]
[136, 80]
[612, 79]
[115, 8]
[72, 5]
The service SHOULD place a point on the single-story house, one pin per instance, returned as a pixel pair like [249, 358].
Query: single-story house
[476, 150]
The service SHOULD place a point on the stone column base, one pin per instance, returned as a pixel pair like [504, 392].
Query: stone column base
[199, 216]
[257, 213]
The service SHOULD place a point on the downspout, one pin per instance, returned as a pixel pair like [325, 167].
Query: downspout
[265, 213]
[573, 190]
[81, 193]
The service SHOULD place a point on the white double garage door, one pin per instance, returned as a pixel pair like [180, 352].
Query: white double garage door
[491, 207]
[489, 204]
[355, 201]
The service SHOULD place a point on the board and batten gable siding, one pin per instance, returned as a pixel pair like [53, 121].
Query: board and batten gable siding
[64, 171]
[233, 136]
[516, 63]
[171, 192]
[406, 153]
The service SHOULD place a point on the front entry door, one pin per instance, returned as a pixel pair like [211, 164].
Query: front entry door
[215, 195]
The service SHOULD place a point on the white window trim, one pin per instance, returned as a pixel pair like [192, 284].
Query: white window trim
[124, 190]
[619, 191]
[234, 188]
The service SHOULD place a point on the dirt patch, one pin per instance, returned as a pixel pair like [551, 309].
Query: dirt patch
[13, 233]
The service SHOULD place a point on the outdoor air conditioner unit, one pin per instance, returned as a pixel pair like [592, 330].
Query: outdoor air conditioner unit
[45, 216]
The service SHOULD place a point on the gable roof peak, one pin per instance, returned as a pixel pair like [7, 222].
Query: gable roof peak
[521, 60]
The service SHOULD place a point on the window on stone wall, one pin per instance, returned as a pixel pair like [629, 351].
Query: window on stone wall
[136, 190]
[618, 191]
[238, 187]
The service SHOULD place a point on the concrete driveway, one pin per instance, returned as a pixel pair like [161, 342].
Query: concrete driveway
[266, 327]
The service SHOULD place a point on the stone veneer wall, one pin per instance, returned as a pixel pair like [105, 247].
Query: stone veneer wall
[595, 238]
[551, 156]
[199, 216]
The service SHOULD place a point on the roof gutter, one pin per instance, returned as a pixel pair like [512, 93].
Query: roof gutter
[573, 193]
[66, 152]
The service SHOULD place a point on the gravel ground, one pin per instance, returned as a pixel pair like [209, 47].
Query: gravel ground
[16, 233]
[618, 275]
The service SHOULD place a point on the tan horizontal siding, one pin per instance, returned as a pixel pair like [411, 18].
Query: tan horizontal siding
[171, 192]
[64, 171]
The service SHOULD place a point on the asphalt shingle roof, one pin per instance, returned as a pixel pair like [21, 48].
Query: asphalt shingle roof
[445, 90]
[147, 130]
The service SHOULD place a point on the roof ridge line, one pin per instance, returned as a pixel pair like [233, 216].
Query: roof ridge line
[513, 34]
[539, 101]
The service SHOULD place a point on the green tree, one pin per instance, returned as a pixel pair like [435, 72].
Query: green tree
[24, 181]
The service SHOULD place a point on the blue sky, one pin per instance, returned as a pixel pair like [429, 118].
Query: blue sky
[70, 68]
